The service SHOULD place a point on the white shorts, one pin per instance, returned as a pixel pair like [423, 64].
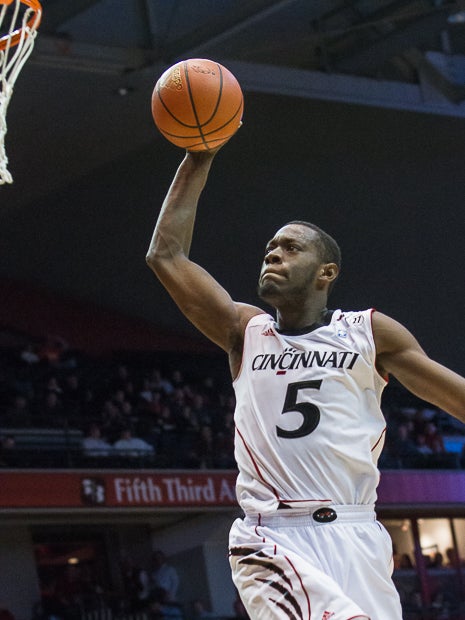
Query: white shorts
[289, 566]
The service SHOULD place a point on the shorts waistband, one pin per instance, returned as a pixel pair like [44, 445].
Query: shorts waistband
[323, 515]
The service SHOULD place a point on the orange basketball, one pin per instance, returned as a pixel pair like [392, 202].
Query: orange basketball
[197, 104]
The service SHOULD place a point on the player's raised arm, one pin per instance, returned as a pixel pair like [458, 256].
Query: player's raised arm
[399, 354]
[198, 295]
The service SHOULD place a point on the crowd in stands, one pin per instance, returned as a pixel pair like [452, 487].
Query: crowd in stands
[419, 435]
[146, 592]
[145, 409]
[165, 411]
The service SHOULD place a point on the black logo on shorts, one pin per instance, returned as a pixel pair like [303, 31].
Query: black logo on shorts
[324, 515]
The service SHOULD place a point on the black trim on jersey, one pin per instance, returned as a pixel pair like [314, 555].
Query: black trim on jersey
[326, 320]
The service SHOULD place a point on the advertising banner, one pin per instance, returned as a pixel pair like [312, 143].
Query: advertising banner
[116, 489]
[181, 489]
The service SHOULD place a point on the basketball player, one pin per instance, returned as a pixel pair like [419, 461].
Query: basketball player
[309, 429]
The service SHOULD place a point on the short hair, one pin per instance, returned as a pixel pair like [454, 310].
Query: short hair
[328, 248]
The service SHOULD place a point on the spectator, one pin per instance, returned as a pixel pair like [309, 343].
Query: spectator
[186, 420]
[8, 456]
[167, 420]
[437, 561]
[51, 410]
[18, 414]
[422, 446]
[53, 385]
[112, 423]
[74, 394]
[127, 412]
[404, 447]
[52, 350]
[201, 411]
[405, 562]
[136, 584]
[177, 401]
[453, 560]
[94, 445]
[164, 576]
[206, 447]
[159, 384]
[132, 447]
[433, 438]
[122, 377]
[28, 355]
[177, 379]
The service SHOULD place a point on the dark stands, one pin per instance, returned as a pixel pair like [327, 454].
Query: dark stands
[63, 408]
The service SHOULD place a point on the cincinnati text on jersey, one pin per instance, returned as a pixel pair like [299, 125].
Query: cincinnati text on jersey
[291, 359]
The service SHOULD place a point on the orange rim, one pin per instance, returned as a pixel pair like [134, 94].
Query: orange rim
[14, 37]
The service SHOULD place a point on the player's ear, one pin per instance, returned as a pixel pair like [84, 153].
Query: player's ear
[328, 273]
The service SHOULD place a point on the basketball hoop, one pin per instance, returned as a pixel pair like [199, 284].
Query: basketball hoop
[19, 20]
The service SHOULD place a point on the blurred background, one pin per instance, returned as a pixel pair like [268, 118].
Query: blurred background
[353, 119]
[116, 416]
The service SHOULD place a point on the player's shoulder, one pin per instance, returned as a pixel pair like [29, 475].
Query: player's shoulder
[355, 318]
[248, 313]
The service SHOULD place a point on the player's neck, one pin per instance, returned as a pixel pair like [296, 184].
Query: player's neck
[298, 318]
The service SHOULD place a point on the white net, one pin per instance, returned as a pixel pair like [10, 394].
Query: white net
[18, 28]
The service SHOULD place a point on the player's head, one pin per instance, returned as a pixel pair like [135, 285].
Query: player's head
[328, 247]
[300, 260]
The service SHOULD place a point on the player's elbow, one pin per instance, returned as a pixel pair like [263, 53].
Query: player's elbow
[151, 258]
[155, 260]
[159, 251]
[163, 262]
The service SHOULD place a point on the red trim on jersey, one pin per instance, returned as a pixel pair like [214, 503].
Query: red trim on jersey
[379, 439]
[275, 493]
[301, 585]
[259, 473]
[386, 376]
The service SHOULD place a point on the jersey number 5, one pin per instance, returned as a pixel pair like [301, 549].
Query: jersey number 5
[310, 412]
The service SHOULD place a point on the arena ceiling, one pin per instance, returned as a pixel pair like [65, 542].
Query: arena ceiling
[354, 106]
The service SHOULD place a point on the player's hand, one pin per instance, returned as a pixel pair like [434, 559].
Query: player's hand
[202, 155]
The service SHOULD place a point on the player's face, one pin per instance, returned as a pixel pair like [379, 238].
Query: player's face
[290, 265]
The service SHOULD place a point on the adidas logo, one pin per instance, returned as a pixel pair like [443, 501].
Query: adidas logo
[268, 332]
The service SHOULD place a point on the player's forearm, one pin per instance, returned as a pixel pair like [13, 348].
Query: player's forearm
[173, 231]
[433, 383]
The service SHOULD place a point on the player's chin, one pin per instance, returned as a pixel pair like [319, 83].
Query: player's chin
[267, 291]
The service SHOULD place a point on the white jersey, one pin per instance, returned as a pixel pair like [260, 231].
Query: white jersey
[309, 428]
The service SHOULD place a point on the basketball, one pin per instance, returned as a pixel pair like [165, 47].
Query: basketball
[197, 104]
